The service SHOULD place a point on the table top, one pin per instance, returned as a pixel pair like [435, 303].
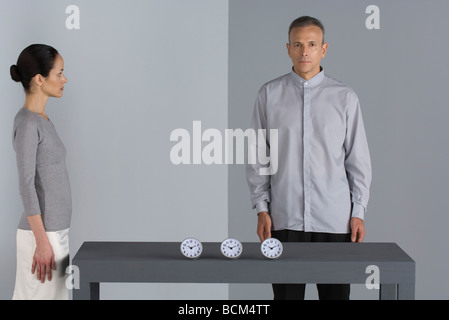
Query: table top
[299, 263]
[293, 251]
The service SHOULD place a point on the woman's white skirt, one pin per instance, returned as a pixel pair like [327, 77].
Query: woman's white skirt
[28, 287]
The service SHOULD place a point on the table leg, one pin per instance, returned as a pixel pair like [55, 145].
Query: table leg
[406, 291]
[387, 291]
[87, 291]
[94, 291]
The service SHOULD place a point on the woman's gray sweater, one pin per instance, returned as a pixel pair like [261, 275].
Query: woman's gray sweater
[43, 179]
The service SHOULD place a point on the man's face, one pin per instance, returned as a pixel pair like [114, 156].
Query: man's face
[306, 49]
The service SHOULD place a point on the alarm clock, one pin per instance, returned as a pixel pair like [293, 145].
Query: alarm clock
[271, 248]
[231, 248]
[191, 248]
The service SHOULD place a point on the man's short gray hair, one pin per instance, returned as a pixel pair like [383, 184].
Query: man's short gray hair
[305, 21]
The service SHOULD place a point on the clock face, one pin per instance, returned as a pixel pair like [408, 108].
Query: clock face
[231, 248]
[191, 248]
[271, 248]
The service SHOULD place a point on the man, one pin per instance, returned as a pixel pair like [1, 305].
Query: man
[321, 188]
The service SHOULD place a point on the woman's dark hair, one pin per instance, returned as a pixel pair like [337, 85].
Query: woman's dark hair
[34, 59]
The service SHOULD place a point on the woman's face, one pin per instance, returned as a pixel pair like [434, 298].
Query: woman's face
[53, 84]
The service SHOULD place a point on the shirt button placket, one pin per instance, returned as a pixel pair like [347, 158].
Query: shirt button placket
[306, 154]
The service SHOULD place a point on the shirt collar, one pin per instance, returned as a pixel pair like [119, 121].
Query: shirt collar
[311, 82]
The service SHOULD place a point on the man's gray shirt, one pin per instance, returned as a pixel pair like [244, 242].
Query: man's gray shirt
[324, 167]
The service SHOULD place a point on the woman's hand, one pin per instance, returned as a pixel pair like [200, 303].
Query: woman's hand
[43, 261]
[44, 257]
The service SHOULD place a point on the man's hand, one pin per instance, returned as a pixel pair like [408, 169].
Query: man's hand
[357, 229]
[263, 225]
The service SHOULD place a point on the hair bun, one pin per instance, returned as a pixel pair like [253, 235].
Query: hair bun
[15, 74]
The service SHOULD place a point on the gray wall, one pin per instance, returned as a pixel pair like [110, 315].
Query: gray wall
[138, 71]
[397, 72]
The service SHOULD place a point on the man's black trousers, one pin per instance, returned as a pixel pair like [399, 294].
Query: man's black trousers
[296, 291]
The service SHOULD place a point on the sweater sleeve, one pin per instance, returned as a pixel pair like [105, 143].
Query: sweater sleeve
[25, 142]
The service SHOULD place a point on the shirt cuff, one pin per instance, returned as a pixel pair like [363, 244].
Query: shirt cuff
[358, 211]
[261, 206]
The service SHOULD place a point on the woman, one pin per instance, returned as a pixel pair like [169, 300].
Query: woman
[42, 235]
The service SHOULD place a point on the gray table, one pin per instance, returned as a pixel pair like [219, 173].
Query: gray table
[300, 263]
